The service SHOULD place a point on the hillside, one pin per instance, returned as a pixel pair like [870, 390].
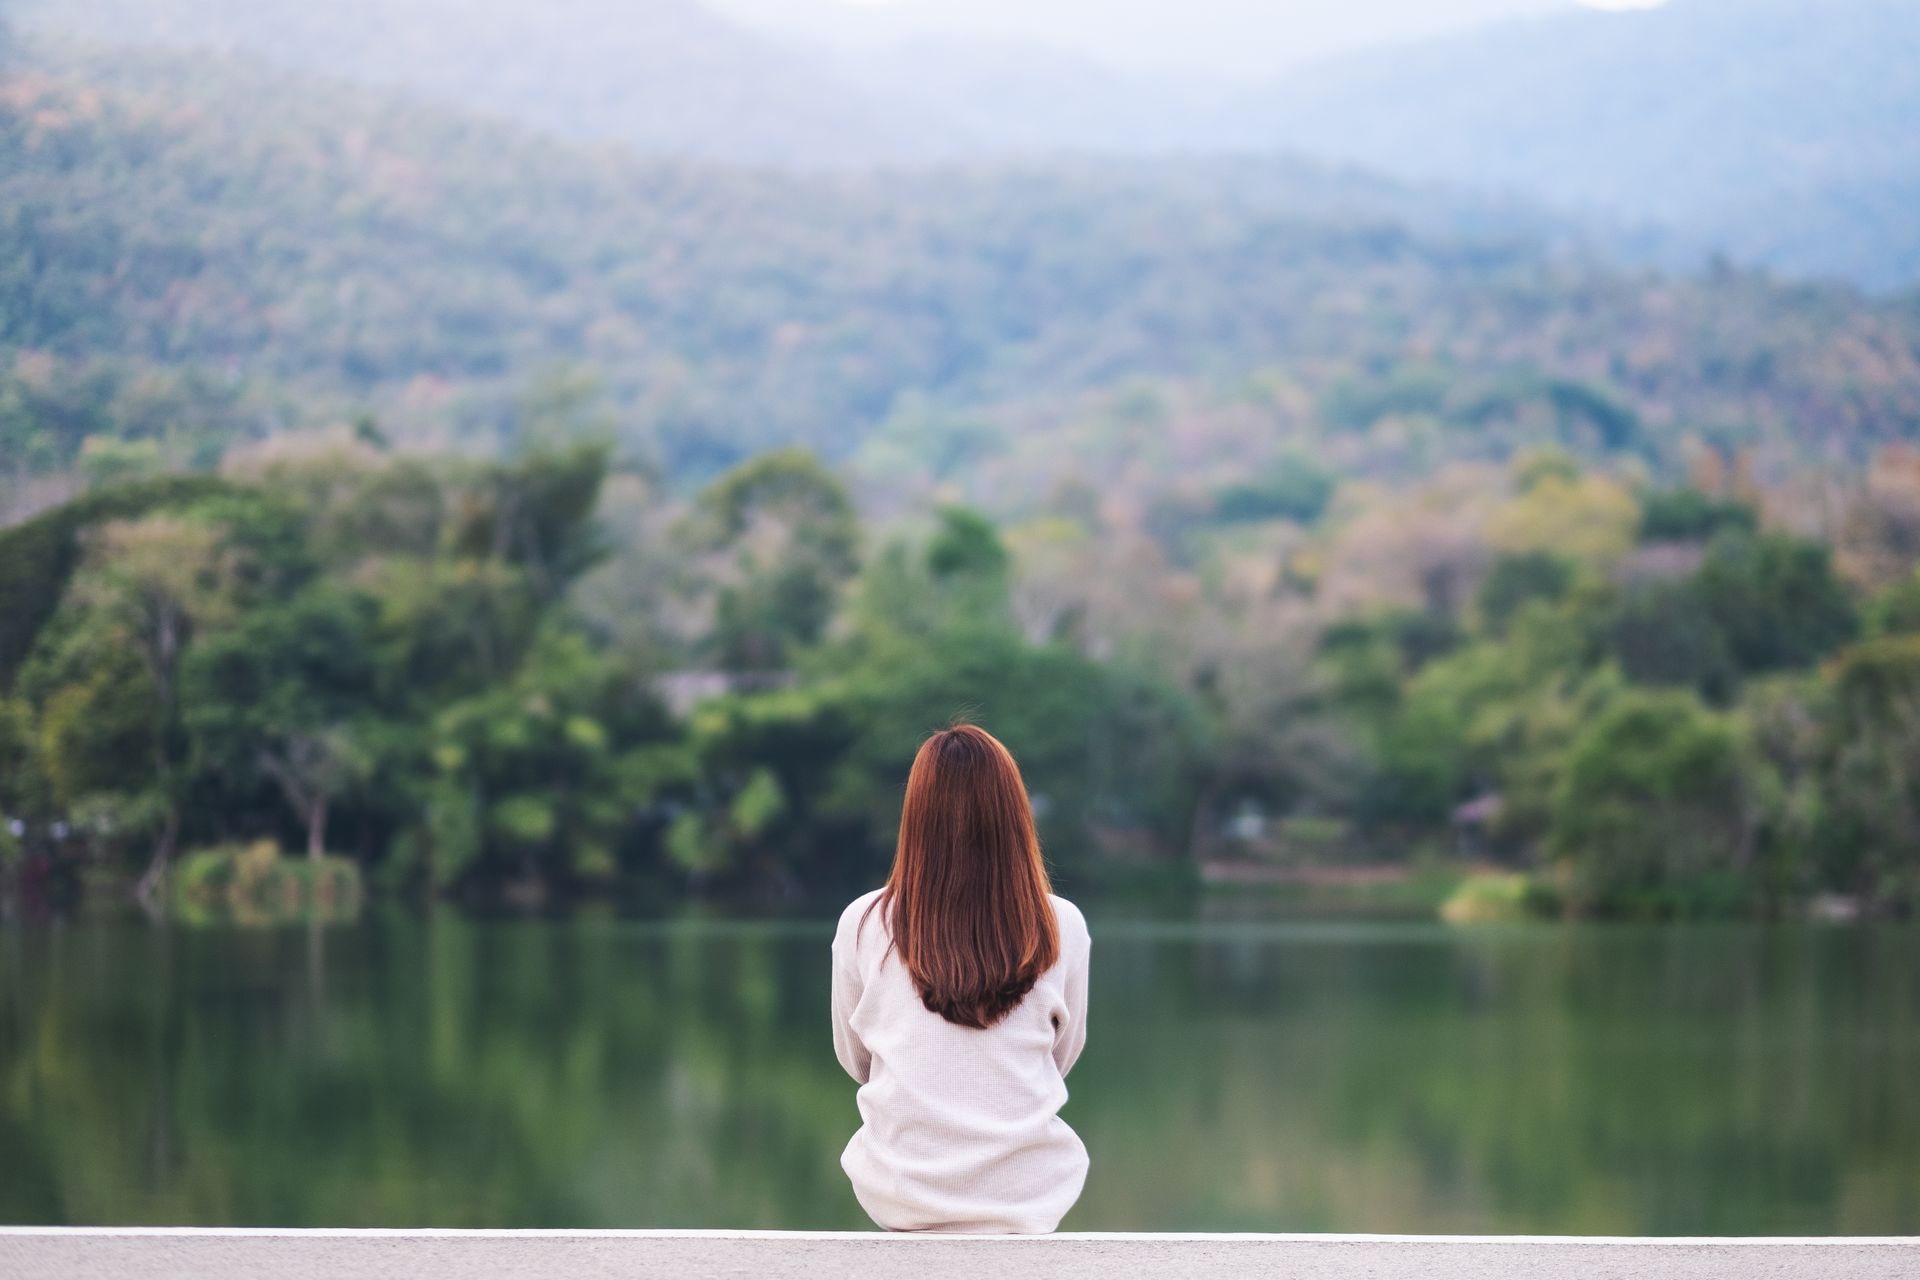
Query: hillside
[269, 248]
[1779, 132]
[662, 76]
[1783, 132]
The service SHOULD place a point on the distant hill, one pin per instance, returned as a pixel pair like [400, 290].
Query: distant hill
[1781, 132]
[210, 225]
[1785, 132]
[666, 77]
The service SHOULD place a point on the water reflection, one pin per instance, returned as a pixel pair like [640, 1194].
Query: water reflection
[1240, 1076]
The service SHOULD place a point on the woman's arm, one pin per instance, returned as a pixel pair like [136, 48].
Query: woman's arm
[1070, 1036]
[847, 985]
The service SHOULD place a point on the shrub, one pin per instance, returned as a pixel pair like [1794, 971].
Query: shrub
[255, 884]
[1494, 896]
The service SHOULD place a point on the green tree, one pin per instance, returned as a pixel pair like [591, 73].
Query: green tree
[1877, 770]
[1496, 716]
[1104, 747]
[38, 557]
[23, 797]
[778, 537]
[276, 694]
[1653, 812]
[153, 583]
[1756, 605]
[1293, 487]
[756, 807]
[1667, 633]
[1803, 838]
[1776, 599]
[966, 545]
[1897, 609]
[1516, 579]
[538, 777]
[536, 513]
[1687, 515]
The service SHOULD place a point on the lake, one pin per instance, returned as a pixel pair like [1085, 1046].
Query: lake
[1240, 1075]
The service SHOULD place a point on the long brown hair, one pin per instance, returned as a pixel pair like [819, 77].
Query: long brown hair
[968, 893]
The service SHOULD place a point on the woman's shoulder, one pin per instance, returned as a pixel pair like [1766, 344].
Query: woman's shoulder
[854, 914]
[1073, 924]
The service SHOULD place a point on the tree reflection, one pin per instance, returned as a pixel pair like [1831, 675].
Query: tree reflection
[596, 1072]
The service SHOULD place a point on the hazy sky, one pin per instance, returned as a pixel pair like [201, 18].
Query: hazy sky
[1229, 37]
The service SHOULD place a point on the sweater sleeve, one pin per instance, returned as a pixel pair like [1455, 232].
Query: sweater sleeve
[847, 985]
[1071, 1036]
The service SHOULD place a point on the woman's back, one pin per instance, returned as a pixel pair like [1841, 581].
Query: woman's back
[960, 1126]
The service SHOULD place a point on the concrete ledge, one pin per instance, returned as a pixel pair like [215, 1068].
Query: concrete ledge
[106, 1253]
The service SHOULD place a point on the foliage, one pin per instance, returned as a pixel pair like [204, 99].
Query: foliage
[1216, 498]
[1897, 611]
[1757, 604]
[1517, 578]
[38, 556]
[1687, 515]
[780, 536]
[1653, 811]
[254, 884]
[1876, 772]
[1776, 600]
[252, 658]
[1492, 896]
[1590, 517]
[1292, 488]
[379, 657]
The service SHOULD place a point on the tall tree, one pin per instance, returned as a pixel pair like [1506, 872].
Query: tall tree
[156, 581]
[777, 538]
[277, 693]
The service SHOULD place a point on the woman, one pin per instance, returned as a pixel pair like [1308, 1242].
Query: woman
[960, 1004]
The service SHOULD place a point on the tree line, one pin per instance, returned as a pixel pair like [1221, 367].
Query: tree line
[543, 674]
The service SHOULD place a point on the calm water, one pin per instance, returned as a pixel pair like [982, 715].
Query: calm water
[1238, 1076]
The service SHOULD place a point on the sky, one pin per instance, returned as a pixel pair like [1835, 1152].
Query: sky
[1234, 39]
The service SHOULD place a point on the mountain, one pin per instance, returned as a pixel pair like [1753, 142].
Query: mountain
[198, 246]
[665, 77]
[1782, 132]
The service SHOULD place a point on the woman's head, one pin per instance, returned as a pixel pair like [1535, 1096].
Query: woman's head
[968, 893]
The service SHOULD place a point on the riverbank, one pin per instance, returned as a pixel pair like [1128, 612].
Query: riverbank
[242, 886]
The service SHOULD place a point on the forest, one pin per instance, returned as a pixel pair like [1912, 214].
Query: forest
[399, 502]
[483, 678]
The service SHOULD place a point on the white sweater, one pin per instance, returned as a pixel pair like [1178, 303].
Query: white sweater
[960, 1131]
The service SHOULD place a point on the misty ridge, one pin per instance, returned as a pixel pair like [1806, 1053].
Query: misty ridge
[1779, 132]
[236, 220]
